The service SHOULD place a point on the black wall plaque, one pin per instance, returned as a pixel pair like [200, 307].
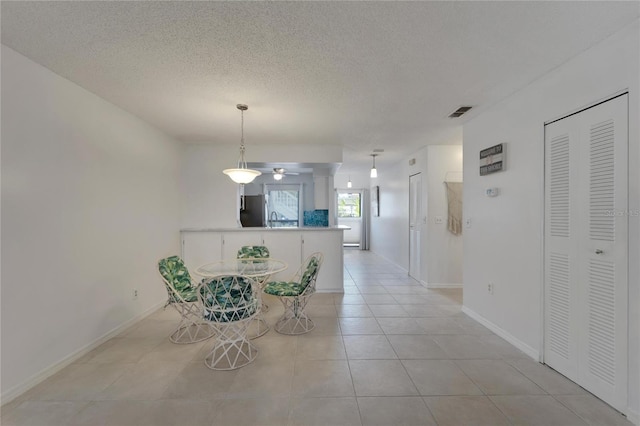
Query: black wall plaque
[492, 160]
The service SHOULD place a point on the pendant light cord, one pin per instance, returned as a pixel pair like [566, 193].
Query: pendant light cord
[242, 164]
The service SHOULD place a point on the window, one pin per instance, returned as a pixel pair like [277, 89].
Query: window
[349, 205]
[283, 205]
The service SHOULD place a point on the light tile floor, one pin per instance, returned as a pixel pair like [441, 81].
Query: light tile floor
[386, 352]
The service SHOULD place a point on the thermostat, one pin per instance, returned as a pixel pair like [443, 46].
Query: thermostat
[491, 192]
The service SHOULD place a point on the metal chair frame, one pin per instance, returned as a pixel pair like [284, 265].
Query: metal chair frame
[295, 320]
[232, 348]
[191, 328]
[250, 253]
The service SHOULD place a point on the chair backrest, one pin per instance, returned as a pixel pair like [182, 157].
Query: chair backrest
[254, 252]
[176, 277]
[310, 273]
[229, 298]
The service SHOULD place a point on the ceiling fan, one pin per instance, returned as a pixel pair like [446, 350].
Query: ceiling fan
[279, 173]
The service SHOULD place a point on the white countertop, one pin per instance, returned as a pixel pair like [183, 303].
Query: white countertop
[261, 229]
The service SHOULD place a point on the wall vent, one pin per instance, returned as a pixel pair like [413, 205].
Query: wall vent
[378, 150]
[457, 113]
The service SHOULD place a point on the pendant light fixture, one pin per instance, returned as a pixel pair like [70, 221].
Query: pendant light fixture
[349, 184]
[242, 174]
[374, 171]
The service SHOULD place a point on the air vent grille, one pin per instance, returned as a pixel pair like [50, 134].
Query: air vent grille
[457, 113]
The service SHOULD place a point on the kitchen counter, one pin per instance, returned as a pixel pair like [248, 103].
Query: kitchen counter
[292, 245]
[269, 229]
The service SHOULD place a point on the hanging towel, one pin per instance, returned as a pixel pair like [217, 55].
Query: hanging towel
[454, 201]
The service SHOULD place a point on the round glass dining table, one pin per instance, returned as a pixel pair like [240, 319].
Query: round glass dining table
[259, 269]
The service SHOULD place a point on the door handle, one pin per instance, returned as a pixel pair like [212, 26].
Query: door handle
[599, 251]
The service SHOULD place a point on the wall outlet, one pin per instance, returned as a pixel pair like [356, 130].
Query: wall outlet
[490, 287]
[439, 219]
[467, 223]
[135, 293]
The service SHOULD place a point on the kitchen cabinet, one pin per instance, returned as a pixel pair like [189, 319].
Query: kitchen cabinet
[321, 192]
[330, 278]
[233, 241]
[293, 245]
[285, 246]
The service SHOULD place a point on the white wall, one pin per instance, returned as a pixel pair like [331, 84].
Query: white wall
[89, 204]
[211, 198]
[441, 251]
[358, 180]
[390, 231]
[504, 244]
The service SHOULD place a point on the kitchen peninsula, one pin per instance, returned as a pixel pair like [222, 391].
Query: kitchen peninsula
[293, 245]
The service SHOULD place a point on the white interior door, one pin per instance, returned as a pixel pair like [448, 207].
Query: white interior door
[586, 233]
[415, 228]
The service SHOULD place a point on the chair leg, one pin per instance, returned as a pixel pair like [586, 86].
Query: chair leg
[232, 348]
[294, 320]
[259, 326]
[191, 328]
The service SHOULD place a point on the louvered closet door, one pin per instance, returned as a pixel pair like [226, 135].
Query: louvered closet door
[603, 251]
[561, 267]
[586, 249]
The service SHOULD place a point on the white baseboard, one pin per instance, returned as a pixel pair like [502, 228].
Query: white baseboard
[443, 285]
[533, 353]
[633, 416]
[37, 378]
[391, 261]
[331, 290]
[425, 284]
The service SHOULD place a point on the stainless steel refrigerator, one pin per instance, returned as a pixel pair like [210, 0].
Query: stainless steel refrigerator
[253, 213]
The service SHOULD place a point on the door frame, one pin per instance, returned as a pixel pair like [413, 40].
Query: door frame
[419, 221]
[359, 191]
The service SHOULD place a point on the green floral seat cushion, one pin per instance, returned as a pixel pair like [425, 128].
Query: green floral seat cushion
[176, 273]
[255, 252]
[292, 289]
[283, 288]
[188, 295]
[227, 299]
[310, 272]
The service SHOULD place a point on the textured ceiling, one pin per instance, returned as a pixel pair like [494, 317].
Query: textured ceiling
[363, 75]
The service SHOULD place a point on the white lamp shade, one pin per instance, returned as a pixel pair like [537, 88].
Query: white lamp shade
[277, 176]
[374, 172]
[242, 175]
[349, 184]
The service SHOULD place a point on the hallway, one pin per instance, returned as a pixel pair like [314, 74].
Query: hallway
[387, 352]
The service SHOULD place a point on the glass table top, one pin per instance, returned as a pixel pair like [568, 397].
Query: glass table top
[250, 267]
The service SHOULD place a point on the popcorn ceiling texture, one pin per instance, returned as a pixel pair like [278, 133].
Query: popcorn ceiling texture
[359, 74]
